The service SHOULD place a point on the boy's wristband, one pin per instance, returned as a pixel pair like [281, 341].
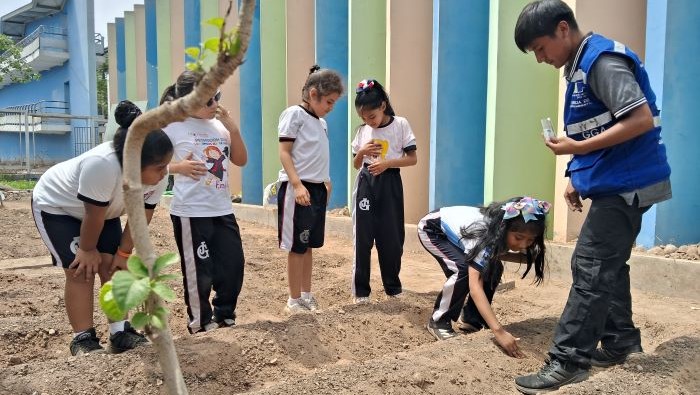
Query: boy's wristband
[123, 254]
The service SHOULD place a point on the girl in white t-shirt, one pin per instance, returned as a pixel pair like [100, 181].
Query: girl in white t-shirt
[305, 181]
[77, 205]
[206, 231]
[383, 144]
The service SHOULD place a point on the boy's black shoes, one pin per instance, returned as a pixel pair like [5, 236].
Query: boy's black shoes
[441, 329]
[553, 375]
[85, 343]
[603, 357]
[127, 339]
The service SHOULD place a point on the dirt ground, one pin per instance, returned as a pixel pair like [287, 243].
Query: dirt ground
[380, 348]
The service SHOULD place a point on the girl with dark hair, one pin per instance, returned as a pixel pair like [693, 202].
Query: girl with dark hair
[77, 205]
[206, 230]
[469, 243]
[383, 144]
[305, 181]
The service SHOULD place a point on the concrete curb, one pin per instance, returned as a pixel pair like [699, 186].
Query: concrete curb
[664, 276]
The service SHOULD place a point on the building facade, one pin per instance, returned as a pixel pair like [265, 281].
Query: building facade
[451, 67]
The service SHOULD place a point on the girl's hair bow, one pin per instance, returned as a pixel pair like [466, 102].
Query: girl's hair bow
[528, 207]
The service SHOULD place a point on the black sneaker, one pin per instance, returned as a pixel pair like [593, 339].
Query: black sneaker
[441, 329]
[553, 375]
[85, 343]
[603, 357]
[125, 340]
[224, 323]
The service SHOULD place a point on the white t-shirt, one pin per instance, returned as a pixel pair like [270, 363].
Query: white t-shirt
[396, 138]
[93, 177]
[209, 142]
[310, 152]
[452, 220]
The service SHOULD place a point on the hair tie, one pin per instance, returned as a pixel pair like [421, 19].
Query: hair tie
[364, 85]
[528, 207]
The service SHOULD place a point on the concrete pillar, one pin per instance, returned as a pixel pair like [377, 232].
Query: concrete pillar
[164, 54]
[231, 97]
[130, 56]
[177, 38]
[408, 79]
[140, 58]
[112, 59]
[273, 77]
[151, 42]
[332, 51]
[120, 55]
[520, 93]
[458, 102]
[367, 43]
[251, 116]
[677, 219]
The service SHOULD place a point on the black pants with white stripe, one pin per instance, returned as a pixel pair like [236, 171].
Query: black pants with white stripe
[211, 257]
[450, 301]
[378, 218]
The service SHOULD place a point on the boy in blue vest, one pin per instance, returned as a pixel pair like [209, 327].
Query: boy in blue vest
[619, 162]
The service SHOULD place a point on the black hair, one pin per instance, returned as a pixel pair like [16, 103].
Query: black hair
[325, 81]
[185, 84]
[490, 235]
[156, 146]
[541, 18]
[371, 96]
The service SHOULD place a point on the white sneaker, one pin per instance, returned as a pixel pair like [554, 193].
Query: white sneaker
[295, 306]
[211, 326]
[362, 300]
[310, 303]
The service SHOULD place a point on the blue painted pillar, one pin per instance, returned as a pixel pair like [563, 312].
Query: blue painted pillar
[332, 53]
[677, 219]
[151, 54]
[193, 25]
[654, 64]
[251, 116]
[121, 59]
[458, 102]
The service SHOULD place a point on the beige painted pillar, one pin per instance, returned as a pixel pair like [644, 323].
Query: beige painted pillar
[409, 62]
[177, 38]
[300, 46]
[140, 35]
[231, 98]
[620, 20]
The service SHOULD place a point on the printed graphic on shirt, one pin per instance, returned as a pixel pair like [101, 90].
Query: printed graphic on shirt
[215, 160]
[215, 153]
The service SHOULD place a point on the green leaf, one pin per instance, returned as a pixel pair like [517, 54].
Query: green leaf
[140, 320]
[218, 22]
[164, 261]
[109, 304]
[193, 52]
[235, 46]
[137, 267]
[192, 66]
[212, 44]
[161, 312]
[128, 290]
[157, 322]
[163, 290]
[168, 277]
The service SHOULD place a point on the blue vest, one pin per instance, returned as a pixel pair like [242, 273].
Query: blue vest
[624, 167]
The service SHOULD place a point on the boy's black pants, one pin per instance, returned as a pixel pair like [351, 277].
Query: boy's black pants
[378, 217]
[599, 307]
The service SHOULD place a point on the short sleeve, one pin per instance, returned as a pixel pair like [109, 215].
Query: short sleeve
[289, 125]
[96, 180]
[409, 139]
[152, 197]
[356, 141]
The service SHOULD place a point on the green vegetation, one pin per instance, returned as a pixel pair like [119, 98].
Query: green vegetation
[11, 63]
[17, 184]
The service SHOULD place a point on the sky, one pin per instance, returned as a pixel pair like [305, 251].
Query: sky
[105, 10]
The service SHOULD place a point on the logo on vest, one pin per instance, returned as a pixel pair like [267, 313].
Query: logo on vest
[593, 132]
[203, 251]
[363, 204]
[304, 236]
[74, 245]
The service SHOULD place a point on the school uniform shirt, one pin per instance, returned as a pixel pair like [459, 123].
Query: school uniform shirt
[208, 141]
[453, 220]
[310, 151]
[396, 138]
[94, 177]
